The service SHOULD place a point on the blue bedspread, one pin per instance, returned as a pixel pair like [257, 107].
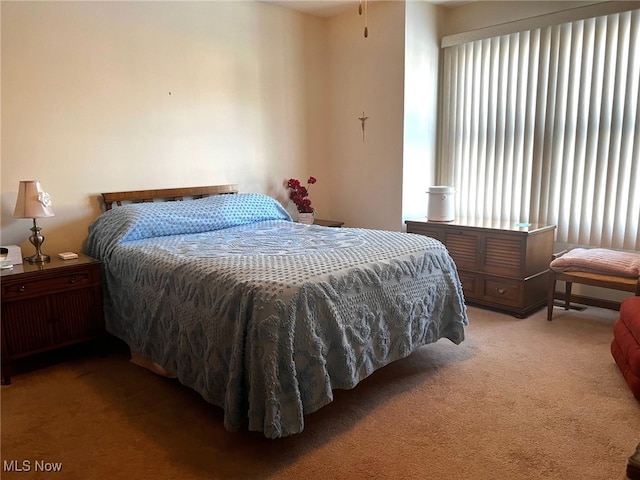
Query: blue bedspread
[262, 316]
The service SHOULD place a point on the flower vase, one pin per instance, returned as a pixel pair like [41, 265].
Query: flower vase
[306, 218]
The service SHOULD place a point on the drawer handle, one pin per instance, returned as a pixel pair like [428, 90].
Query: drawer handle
[22, 288]
[72, 279]
[501, 291]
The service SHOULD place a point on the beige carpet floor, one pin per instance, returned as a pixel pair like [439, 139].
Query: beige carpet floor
[518, 399]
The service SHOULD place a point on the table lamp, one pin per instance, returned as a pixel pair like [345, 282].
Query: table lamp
[34, 203]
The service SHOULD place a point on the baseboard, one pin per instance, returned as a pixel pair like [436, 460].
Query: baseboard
[591, 301]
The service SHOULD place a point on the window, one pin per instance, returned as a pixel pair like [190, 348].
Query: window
[543, 126]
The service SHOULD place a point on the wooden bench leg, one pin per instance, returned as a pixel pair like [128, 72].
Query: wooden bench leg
[567, 297]
[551, 294]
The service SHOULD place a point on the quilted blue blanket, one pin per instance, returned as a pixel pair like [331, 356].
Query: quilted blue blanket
[262, 316]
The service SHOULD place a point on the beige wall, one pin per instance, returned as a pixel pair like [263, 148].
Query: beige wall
[111, 96]
[367, 75]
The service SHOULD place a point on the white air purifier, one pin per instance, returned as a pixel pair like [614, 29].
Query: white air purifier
[441, 204]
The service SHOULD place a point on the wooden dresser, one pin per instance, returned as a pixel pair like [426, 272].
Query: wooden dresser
[48, 306]
[500, 265]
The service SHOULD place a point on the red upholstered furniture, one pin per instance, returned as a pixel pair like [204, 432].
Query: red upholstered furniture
[625, 346]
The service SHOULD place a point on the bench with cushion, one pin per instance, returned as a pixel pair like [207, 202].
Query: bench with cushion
[599, 267]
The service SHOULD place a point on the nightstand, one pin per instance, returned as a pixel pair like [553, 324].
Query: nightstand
[48, 306]
[328, 223]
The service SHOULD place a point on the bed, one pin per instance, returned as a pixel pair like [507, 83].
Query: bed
[262, 316]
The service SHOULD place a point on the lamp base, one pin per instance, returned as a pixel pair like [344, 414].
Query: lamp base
[37, 239]
[38, 258]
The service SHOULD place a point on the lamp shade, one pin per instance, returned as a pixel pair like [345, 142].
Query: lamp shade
[32, 201]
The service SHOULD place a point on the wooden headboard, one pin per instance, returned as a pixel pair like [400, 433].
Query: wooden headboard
[166, 194]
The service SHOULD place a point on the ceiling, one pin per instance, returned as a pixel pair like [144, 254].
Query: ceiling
[328, 8]
[322, 8]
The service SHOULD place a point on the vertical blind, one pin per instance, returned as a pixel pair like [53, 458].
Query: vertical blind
[543, 126]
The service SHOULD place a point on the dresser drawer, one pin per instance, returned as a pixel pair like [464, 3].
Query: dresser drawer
[29, 287]
[470, 285]
[502, 292]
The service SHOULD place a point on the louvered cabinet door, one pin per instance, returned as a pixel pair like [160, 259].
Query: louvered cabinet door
[503, 255]
[76, 316]
[464, 246]
[26, 327]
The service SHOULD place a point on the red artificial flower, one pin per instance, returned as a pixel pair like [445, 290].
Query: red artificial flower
[293, 184]
[299, 194]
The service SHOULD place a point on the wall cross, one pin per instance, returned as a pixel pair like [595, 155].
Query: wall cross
[363, 119]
